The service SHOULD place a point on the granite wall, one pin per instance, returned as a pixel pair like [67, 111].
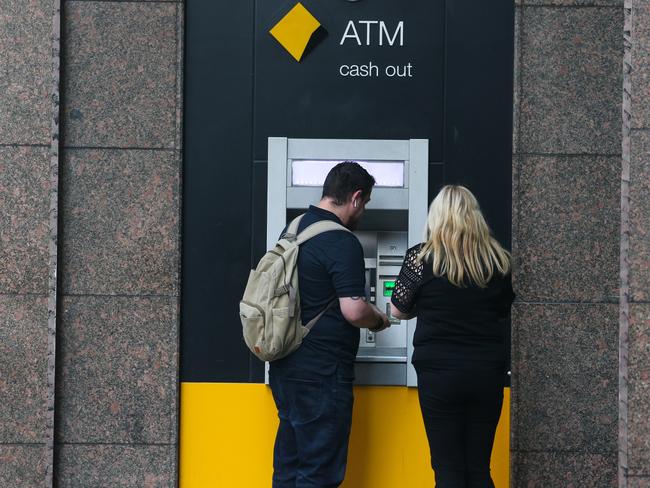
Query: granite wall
[635, 445]
[567, 207]
[117, 358]
[29, 77]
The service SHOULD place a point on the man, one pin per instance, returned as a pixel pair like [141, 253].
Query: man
[312, 387]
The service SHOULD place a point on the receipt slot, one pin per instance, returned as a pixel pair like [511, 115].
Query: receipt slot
[394, 220]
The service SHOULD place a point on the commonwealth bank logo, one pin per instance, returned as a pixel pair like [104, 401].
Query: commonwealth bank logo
[298, 31]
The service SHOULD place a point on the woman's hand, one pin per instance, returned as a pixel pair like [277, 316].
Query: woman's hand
[395, 312]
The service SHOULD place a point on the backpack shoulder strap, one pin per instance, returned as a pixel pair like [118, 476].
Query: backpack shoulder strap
[291, 232]
[318, 228]
[310, 325]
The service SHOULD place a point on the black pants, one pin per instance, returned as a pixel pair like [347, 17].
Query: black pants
[461, 410]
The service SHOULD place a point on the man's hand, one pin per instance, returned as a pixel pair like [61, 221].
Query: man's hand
[360, 313]
[383, 322]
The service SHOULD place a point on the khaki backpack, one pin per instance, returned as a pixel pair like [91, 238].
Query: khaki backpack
[270, 308]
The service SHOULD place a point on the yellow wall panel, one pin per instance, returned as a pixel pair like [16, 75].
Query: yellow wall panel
[228, 429]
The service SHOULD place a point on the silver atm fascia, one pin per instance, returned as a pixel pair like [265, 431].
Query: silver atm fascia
[393, 222]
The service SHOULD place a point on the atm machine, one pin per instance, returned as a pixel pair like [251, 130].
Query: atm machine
[394, 221]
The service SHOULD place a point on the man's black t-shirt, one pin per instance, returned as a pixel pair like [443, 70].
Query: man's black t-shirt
[330, 265]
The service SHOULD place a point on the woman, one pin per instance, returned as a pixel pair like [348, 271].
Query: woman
[458, 285]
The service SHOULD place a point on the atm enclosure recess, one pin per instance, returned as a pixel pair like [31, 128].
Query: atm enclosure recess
[394, 221]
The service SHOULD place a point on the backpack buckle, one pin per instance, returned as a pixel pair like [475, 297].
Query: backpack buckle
[283, 290]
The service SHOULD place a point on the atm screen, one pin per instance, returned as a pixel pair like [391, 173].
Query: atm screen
[388, 288]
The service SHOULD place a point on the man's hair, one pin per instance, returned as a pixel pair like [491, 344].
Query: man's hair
[344, 179]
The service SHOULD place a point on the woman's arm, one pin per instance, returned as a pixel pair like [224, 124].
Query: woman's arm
[403, 299]
[395, 312]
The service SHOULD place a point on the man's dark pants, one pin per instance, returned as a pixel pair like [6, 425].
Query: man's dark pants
[311, 445]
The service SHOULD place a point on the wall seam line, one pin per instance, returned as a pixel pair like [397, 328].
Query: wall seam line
[623, 335]
[514, 330]
[564, 302]
[53, 241]
[126, 1]
[22, 294]
[121, 444]
[64, 294]
[552, 6]
[18, 144]
[118, 148]
[568, 155]
[174, 434]
[565, 451]
[23, 444]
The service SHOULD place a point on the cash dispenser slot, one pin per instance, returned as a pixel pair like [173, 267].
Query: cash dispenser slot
[383, 355]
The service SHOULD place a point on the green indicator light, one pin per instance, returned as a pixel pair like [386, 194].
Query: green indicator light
[388, 288]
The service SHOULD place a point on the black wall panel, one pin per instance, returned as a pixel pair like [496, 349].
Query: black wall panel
[216, 188]
[478, 122]
[241, 87]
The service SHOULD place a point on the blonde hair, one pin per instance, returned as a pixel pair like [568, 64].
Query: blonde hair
[458, 240]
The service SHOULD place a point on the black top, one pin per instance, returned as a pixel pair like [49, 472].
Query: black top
[457, 327]
[330, 265]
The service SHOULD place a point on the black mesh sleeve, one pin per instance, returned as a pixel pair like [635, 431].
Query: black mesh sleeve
[408, 282]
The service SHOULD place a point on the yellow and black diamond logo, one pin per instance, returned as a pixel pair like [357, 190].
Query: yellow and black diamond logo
[298, 31]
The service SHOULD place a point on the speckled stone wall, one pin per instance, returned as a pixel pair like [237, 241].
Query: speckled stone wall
[117, 380]
[567, 167]
[638, 368]
[28, 142]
